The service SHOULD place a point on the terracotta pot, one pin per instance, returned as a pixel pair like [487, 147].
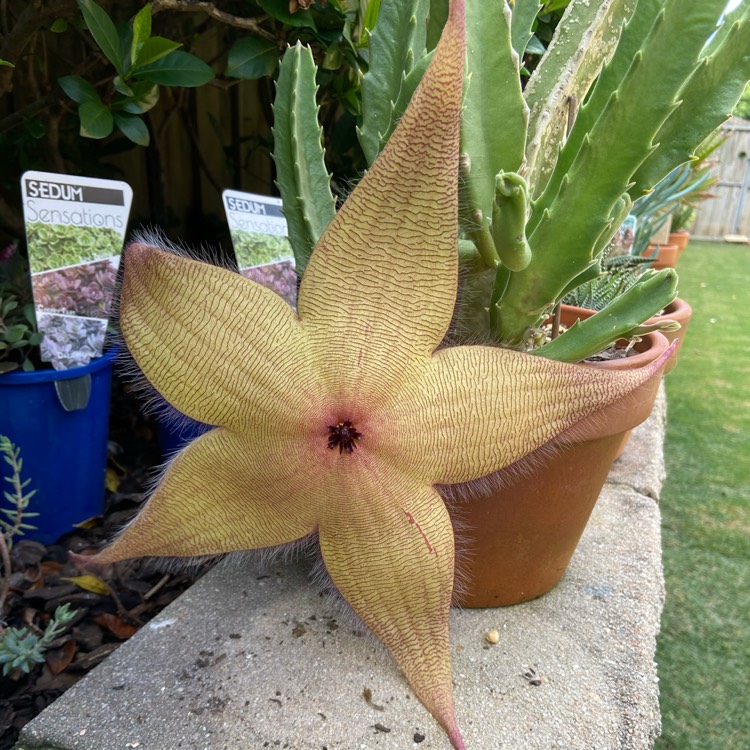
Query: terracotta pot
[680, 238]
[666, 256]
[569, 314]
[516, 541]
[680, 311]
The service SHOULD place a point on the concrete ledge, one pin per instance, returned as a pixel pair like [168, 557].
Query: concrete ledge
[641, 466]
[252, 658]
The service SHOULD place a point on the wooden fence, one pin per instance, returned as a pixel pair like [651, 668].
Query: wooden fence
[728, 214]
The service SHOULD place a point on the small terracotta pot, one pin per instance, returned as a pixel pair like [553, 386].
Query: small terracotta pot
[680, 311]
[667, 256]
[515, 542]
[680, 238]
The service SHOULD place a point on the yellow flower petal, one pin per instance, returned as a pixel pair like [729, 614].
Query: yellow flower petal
[223, 493]
[387, 542]
[380, 287]
[220, 348]
[375, 302]
[478, 409]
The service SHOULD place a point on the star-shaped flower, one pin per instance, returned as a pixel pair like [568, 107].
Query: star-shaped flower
[340, 419]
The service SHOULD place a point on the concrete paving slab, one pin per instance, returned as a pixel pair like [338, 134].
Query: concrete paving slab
[638, 467]
[256, 658]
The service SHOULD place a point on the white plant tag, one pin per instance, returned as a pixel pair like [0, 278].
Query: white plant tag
[259, 235]
[75, 227]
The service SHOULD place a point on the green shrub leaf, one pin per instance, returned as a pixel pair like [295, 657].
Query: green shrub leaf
[144, 97]
[133, 128]
[103, 30]
[14, 334]
[153, 49]
[122, 87]
[78, 89]
[279, 9]
[251, 58]
[141, 32]
[96, 120]
[177, 69]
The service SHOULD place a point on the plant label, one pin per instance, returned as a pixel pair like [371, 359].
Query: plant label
[625, 236]
[75, 227]
[259, 235]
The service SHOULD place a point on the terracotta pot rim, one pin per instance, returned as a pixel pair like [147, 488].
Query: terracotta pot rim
[675, 309]
[668, 246]
[650, 347]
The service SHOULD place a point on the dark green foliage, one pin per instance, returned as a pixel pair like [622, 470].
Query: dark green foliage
[19, 338]
[138, 58]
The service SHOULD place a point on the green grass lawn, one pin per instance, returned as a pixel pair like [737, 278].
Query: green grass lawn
[703, 651]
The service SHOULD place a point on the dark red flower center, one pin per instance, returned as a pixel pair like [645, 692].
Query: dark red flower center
[343, 435]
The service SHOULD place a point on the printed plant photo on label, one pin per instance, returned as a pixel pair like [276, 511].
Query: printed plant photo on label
[280, 277]
[86, 290]
[255, 248]
[71, 341]
[54, 246]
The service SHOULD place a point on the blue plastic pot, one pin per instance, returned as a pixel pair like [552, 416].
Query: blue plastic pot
[60, 421]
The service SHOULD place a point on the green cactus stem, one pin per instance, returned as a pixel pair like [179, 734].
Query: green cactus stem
[408, 87]
[301, 174]
[707, 100]
[586, 35]
[656, 29]
[398, 41]
[564, 236]
[620, 319]
[522, 23]
[436, 21]
[493, 138]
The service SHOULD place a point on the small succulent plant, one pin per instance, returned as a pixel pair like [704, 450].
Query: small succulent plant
[21, 649]
[13, 521]
[619, 274]
[18, 335]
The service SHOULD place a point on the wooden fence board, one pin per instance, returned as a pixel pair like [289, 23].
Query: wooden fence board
[717, 217]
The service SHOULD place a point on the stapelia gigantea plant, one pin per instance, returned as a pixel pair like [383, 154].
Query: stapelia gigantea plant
[627, 91]
[334, 423]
